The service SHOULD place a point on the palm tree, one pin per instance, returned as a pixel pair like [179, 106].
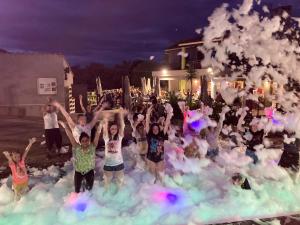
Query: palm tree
[191, 74]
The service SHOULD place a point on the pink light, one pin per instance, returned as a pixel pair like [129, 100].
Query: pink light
[159, 196]
[179, 150]
[166, 197]
[72, 198]
[269, 112]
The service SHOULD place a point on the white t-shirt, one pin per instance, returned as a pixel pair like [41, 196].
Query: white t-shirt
[50, 121]
[113, 151]
[78, 129]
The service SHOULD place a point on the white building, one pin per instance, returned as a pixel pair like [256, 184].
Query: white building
[27, 79]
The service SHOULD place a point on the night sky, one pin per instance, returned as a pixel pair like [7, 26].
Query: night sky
[105, 31]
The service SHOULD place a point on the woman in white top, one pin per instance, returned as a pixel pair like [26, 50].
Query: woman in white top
[52, 132]
[81, 125]
[113, 134]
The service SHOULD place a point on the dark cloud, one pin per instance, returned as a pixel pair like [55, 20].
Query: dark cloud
[106, 31]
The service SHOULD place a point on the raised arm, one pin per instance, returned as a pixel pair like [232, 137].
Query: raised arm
[105, 127]
[97, 135]
[168, 122]
[241, 119]
[69, 133]
[122, 123]
[97, 115]
[8, 156]
[147, 126]
[99, 105]
[65, 114]
[27, 149]
[81, 104]
[221, 120]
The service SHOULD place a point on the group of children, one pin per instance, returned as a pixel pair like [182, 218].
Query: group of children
[151, 128]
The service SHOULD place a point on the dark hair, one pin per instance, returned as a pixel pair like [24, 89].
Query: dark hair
[237, 177]
[80, 115]
[151, 128]
[153, 100]
[116, 137]
[83, 135]
[139, 125]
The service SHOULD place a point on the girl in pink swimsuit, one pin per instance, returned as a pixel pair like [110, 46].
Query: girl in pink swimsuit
[16, 162]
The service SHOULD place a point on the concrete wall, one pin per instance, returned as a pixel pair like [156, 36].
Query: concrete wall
[18, 87]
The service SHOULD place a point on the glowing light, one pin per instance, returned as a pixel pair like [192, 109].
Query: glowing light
[77, 202]
[81, 206]
[166, 197]
[197, 125]
[172, 198]
[276, 122]
[269, 112]
[164, 72]
[210, 70]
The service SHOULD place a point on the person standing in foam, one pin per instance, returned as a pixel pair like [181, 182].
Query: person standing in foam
[16, 162]
[156, 138]
[212, 135]
[52, 132]
[84, 154]
[113, 134]
[81, 125]
[139, 133]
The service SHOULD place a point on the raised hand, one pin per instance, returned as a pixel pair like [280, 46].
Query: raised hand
[6, 153]
[149, 110]
[32, 140]
[56, 104]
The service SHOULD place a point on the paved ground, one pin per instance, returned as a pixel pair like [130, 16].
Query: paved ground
[14, 134]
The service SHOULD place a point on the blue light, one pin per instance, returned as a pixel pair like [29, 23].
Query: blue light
[81, 206]
[276, 122]
[172, 198]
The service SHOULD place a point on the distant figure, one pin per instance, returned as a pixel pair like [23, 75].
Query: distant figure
[16, 162]
[139, 133]
[81, 125]
[257, 139]
[89, 113]
[290, 156]
[52, 132]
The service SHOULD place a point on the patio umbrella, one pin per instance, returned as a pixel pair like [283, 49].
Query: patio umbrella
[127, 98]
[148, 86]
[157, 87]
[143, 82]
[99, 86]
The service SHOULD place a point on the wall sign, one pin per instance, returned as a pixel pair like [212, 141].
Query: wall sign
[47, 86]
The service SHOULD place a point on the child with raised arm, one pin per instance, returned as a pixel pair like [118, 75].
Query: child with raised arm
[16, 162]
[81, 125]
[113, 134]
[84, 154]
[156, 138]
[139, 133]
[90, 113]
[212, 135]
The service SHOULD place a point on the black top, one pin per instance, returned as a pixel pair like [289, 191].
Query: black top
[257, 139]
[156, 147]
[246, 185]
